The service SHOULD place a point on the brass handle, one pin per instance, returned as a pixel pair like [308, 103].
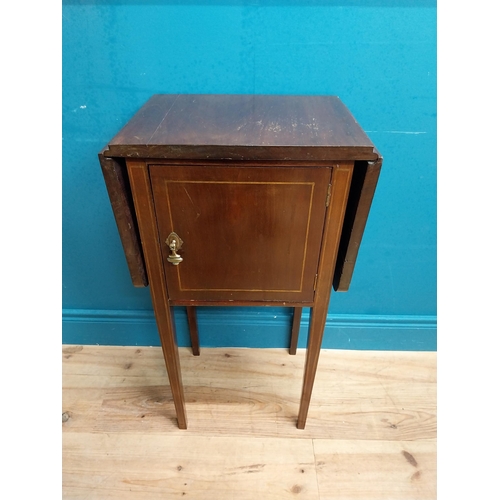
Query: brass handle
[174, 243]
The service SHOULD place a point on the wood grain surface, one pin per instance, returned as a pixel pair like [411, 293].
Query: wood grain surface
[243, 236]
[117, 183]
[371, 431]
[141, 192]
[243, 130]
[243, 127]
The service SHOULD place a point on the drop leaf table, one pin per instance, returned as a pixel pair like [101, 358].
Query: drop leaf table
[241, 200]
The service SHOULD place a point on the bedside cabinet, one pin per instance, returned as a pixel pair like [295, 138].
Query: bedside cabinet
[241, 200]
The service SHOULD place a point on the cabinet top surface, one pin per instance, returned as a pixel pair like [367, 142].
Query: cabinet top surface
[243, 127]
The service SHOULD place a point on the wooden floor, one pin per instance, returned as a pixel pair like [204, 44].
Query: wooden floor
[370, 434]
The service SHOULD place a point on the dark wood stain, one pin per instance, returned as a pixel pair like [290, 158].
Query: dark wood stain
[238, 303]
[340, 182]
[193, 330]
[144, 123]
[143, 202]
[294, 337]
[259, 189]
[364, 182]
[410, 458]
[296, 489]
[242, 127]
[115, 176]
[233, 220]
[416, 476]
[128, 366]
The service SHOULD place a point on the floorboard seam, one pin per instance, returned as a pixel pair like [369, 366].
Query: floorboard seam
[315, 468]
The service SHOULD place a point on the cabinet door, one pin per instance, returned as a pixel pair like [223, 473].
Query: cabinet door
[248, 233]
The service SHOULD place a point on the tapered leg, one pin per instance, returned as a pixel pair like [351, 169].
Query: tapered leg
[141, 192]
[294, 338]
[193, 330]
[341, 179]
[316, 329]
[166, 328]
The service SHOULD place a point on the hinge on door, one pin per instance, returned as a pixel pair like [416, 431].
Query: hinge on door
[315, 282]
[329, 195]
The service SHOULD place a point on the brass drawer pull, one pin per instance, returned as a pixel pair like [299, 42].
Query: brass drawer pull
[174, 243]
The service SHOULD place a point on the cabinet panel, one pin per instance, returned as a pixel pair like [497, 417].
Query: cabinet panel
[248, 233]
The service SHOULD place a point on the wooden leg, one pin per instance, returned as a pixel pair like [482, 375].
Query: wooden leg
[141, 191]
[341, 179]
[170, 349]
[294, 338]
[193, 330]
[316, 329]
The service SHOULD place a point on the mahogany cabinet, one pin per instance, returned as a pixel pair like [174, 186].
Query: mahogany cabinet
[248, 200]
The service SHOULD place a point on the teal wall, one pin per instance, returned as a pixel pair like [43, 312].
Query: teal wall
[378, 56]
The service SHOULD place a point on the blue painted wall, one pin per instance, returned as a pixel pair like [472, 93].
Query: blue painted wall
[378, 56]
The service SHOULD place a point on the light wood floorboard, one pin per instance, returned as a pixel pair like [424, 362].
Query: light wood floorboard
[370, 434]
